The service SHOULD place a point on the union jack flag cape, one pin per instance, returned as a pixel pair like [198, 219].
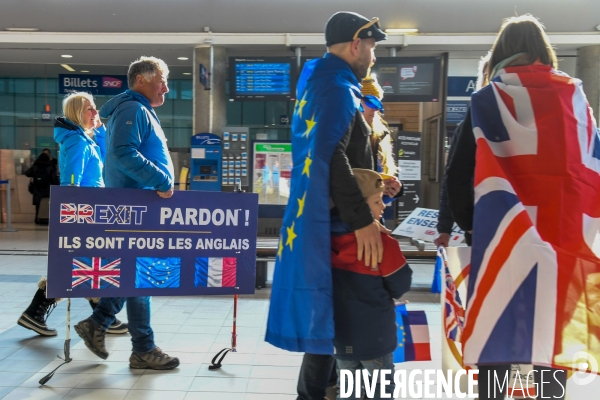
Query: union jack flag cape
[534, 285]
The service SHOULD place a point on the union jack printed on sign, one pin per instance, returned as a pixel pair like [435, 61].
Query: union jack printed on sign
[96, 272]
[68, 213]
[535, 264]
[85, 213]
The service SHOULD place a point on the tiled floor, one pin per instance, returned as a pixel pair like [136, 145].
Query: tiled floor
[192, 328]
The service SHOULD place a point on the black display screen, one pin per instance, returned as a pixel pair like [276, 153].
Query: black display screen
[409, 78]
[266, 78]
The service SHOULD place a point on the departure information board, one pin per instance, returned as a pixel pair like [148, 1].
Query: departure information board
[267, 78]
[262, 78]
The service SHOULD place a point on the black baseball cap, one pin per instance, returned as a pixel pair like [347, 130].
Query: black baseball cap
[345, 26]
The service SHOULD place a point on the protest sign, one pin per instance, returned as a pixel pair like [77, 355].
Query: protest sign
[106, 242]
[421, 224]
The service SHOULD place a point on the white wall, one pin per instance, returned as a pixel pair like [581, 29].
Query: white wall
[468, 66]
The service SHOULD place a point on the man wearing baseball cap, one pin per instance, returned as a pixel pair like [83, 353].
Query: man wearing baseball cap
[329, 138]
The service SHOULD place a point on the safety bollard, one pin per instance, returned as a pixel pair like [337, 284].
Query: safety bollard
[9, 227]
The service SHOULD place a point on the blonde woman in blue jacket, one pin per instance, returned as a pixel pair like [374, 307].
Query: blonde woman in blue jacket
[81, 164]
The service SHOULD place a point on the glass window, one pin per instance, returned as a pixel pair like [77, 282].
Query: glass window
[7, 137]
[253, 113]
[24, 86]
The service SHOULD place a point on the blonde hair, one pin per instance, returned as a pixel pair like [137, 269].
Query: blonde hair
[73, 107]
[146, 67]
[382, 138]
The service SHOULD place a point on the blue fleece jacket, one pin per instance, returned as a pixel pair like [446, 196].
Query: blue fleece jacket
[136, 147]
[80, 159]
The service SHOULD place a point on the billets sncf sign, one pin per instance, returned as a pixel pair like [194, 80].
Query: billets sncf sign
[109, 85]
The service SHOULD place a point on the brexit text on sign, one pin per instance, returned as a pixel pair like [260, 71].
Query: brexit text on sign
[130, 242]
[422, 223]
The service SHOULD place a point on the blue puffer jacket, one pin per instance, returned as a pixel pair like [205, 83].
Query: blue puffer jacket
[136, 147]
[80, 159]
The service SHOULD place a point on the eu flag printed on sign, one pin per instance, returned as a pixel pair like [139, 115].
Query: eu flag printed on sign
[96, 272]
[215, 272]
[157, 273]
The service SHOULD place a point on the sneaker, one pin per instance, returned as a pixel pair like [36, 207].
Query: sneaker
[93, 337]
[35, 316]
[155, 359]
[118, 327]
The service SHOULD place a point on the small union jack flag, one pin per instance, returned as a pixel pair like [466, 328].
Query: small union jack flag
[96, 272]
[454, 311]
[85, 213]
[68, 213]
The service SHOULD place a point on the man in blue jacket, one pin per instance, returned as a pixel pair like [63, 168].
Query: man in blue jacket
[136, 157]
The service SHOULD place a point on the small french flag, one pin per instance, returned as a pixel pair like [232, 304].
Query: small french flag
[413, 336]
[215, 272]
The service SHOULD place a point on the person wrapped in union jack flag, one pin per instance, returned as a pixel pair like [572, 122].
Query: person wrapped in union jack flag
[533, 159]
[80, 134]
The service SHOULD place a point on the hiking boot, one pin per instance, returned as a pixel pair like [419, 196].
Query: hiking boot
[93, 337]
[37, 313]
[155, 359]
[116, 327]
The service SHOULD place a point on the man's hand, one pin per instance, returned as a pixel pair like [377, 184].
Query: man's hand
[368, 240]
[442, 240]
[392, 187]
[97, 123]
[165, 195]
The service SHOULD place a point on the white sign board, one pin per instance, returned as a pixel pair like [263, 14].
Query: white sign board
[421, 224]
[410, 170]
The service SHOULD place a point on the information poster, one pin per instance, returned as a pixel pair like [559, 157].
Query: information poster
[272, 171]
[107, 242]
[408, 147]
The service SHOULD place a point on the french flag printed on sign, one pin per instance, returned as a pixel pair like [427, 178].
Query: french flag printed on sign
[215, 272]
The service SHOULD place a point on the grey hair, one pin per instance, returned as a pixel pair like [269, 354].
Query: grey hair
[147, 67]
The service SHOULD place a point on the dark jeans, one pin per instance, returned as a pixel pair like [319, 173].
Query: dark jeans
[138, 318]
[550, 388]
[316, 375]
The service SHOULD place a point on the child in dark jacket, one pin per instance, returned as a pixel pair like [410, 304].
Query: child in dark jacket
[364, 311]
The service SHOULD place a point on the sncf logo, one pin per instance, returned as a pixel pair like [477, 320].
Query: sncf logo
[109, 82]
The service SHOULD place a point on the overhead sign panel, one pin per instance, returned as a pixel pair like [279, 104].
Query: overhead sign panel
[108, 85]
[409, 79]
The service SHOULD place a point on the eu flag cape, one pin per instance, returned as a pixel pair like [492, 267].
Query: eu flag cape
[301, 308]
[534, 284]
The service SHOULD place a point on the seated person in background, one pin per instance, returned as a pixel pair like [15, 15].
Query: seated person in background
[363, 298]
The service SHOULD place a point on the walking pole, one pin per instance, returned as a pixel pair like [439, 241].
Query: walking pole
[67, 347]
[234, 332]
[217, 364]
